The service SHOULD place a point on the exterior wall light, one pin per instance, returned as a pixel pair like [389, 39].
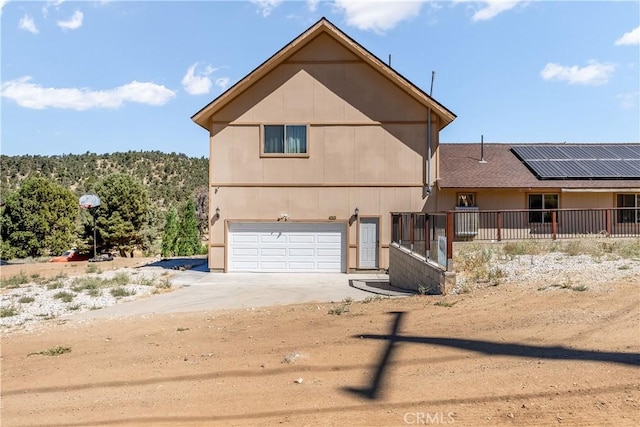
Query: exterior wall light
[217, 212]
[356, 212]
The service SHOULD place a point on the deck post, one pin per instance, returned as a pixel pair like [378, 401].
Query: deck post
[449, 236]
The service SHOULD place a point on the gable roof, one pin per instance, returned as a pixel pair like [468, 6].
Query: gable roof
[460, 167]
[323, 26]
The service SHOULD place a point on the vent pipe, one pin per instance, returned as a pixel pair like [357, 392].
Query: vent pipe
[389, 60]
[482, 160]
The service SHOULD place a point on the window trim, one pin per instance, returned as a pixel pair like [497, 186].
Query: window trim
[283, 155]
[542, 214]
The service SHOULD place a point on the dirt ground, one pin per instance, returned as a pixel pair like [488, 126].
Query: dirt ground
[52, 269]
[505, 355]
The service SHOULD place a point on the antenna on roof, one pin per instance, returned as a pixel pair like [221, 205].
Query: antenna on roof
[482, 160]
[433, 76]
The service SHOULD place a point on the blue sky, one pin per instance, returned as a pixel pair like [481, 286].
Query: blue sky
[107, 76]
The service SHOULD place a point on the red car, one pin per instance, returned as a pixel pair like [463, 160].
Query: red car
[70, 256]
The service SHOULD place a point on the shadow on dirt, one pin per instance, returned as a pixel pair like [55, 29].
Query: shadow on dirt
[181, 264]
[486, 347]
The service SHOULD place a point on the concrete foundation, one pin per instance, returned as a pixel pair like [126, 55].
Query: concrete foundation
[408, 270]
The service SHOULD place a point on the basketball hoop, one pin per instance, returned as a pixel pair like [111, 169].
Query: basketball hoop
[89, 201]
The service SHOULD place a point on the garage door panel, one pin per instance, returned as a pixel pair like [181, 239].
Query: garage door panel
[300, 266]
[272, 238]
[272, 265]
[278, 252]
[301, 238]
[244, 265]
[245, 238]
[329, 238]
[300, 252]
[328, 266]
[328, 252]
[245, 252]
[282, 247]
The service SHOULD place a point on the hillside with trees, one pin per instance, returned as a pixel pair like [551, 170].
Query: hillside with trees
[140, 193]
[169, 178]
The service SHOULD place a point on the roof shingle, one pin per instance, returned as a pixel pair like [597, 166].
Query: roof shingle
[460, 167]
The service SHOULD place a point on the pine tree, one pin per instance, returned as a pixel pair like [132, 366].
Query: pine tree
[38, 219]
[170, 233]
[188, 241]
[122, 213]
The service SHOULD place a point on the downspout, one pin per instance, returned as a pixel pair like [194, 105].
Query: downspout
[428, 180]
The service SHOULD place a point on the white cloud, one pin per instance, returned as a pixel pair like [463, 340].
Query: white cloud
[313, 5]
[266, 6]
[630, 38]
[593, 74]
[50, 4]
[197, 84]
[490, 8]
[26, 23]
[3, 3]
[629, 100]
[378, 16]
[74, 22]
[222, 82]
[31, 95]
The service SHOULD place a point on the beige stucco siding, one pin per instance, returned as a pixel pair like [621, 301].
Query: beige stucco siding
[393, 154]
[517, 198]
[367, 148]
[310, 204]
[517, 225]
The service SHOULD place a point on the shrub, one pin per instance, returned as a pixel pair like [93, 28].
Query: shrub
[443, 303]
[14, 281]
[53, 351]
[64, 296]
[121, 291]
[9, 311]
[524, 247]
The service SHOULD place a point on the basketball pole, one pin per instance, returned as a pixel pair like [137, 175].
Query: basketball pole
[95, 255]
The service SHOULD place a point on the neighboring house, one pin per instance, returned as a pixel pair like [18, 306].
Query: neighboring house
[311, 152]
[541, 176]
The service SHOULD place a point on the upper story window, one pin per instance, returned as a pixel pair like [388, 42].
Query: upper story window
[628, 201]
[542, 201]
[288, 140]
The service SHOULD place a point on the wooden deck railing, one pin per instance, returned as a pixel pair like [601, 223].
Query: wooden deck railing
[431, 235]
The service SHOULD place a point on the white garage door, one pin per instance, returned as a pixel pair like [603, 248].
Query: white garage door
[287, 247]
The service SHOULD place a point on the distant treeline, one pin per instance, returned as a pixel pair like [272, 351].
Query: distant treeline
[170, 179]
[151, 201]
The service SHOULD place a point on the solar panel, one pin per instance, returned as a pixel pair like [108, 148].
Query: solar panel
[581, 161]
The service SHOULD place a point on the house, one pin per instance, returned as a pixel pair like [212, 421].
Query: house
[311, 152]
[543, 176]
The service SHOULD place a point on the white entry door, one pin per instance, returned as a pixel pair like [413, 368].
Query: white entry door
[287, 247]
[368, 242]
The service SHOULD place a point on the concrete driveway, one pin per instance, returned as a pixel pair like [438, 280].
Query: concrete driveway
[201, 290]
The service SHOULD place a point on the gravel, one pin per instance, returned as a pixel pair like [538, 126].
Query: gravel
[546, 272]
[555, 269]
[55, 298]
